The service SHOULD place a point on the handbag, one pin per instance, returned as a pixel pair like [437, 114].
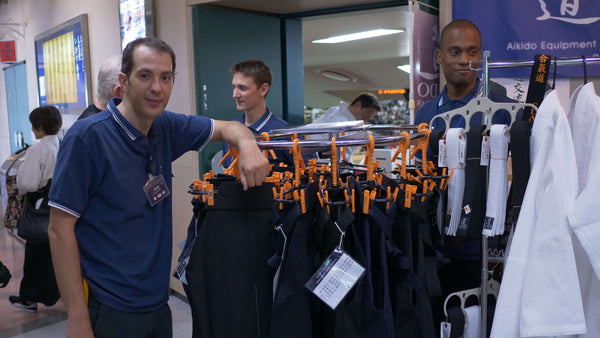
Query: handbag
[33, 225]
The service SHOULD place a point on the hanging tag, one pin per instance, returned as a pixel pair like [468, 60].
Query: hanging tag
[485, 151]
[445, 329]
[488, 225]
[442, 154]
[335, 278]
[462, 150]
[156, 189]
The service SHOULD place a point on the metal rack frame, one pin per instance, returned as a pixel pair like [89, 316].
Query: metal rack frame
[485, 66]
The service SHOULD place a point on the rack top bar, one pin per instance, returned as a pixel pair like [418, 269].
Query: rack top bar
[523, 63]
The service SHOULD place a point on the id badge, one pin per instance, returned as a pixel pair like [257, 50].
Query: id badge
[156, 190]
[334, 279]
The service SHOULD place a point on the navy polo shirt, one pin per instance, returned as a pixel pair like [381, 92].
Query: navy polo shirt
[267, 122]
[124, 243]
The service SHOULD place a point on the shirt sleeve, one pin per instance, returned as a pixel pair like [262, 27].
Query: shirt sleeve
[76, 166]
[29, 174]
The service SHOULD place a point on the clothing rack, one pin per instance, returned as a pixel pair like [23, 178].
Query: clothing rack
[485, 66]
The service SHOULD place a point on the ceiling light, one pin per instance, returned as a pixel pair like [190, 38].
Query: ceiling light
[358, 36]
[404, 68]
[337, 76]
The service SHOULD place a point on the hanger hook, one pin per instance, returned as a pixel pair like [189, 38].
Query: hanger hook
[584, 69]
[554, 75]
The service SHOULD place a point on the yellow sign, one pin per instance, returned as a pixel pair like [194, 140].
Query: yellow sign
[61, 78]
[391, 91]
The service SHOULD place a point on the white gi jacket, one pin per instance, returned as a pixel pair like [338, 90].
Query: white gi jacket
[539, 294]
[584, 216]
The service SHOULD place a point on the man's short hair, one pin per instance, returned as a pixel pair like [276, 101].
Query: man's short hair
[459, 23]
[47, 118]
[258, 70]
[108, 78]
[152, 43]
[367, 100]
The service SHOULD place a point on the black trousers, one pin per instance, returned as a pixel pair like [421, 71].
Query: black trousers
[38, 283]
[108, 322]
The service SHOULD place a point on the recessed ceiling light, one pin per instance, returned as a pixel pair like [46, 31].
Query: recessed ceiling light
[337, 76]
[358, 36]
[404, 68]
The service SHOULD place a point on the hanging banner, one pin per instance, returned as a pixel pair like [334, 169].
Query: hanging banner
[518, 30]
[425, 70]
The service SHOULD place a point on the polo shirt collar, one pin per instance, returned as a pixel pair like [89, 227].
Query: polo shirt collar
[131, 132]
[476, 91]
[261, 123]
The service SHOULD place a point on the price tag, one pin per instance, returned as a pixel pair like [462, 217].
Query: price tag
[462, 150]
[445, 329]
[485, 151]
[335, 278]
[442, 154]
[488, 226]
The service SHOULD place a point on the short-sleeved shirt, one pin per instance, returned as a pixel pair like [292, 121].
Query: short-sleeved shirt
[102, 166]
[267, 122]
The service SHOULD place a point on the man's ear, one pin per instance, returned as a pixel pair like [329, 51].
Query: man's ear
[122, 83]
[438, 55]
[264, 89]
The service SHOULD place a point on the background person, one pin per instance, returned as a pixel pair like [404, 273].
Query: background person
[107, 87]
[363, 107]
[38, 284]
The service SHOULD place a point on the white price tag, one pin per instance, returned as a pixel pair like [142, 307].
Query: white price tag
[334, 279]
[485, 151]
[462, 150]
[445, 329]
[442, 154]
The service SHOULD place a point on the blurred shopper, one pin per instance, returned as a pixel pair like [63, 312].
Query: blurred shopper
[38, 284]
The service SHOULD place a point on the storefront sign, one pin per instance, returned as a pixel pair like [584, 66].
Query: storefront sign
[425, 73]
[518, 30]
[8, 52]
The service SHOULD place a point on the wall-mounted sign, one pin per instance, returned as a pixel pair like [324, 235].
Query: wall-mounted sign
[63, 66]
[8, 52]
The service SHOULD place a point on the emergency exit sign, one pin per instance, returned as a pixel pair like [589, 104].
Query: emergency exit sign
[8, 52]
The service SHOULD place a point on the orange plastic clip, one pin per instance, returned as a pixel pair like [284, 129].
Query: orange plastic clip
[410, 190]
[334, 162]
[302, 201]
[369, 157]
[266, 137]
[342, 149]
[210, 194]
[366, 202]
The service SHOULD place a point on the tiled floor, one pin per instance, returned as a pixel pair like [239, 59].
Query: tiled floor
[51, 321]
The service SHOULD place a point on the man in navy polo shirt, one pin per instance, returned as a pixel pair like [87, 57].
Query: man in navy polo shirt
[460, 43]
[251, 83]
[111, 215]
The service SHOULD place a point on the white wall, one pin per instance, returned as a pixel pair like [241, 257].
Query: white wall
[172, 25]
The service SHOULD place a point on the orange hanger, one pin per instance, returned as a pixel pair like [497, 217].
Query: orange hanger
[266, 137]
[334, 163]
[369, 157]
[423, 145]
[403, 146]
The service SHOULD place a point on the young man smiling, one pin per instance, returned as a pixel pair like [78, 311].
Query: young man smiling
[251, 83]
[110, 222]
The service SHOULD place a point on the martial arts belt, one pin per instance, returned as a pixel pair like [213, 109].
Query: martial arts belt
[456, 144]
[497, 184]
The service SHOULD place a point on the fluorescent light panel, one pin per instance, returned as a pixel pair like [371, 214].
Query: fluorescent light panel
[404, 68]
[358, 36]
